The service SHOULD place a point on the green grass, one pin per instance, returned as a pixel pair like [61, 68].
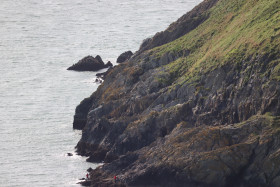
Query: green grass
[276, 70]
[235, 32]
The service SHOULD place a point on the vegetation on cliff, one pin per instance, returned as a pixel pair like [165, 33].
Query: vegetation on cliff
[236, 32]
[197, 105]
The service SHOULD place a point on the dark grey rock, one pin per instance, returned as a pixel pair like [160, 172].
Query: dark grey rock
[80, 117]
[90, 63]
[124, 56]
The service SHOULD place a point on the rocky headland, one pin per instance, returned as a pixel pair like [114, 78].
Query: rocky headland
[90, 63]
[197, 105]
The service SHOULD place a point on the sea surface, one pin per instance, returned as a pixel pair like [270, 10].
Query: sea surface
[38, 96]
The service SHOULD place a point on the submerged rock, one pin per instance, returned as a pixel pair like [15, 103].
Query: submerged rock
[90, 63]
[124, 57]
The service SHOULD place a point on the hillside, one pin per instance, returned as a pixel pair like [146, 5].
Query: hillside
[197, 105]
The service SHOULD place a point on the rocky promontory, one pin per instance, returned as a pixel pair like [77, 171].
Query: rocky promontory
[197, 105]
[90, 63]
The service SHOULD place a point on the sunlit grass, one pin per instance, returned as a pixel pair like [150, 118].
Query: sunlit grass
[234, 32]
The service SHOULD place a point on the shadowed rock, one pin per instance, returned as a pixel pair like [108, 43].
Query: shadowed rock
[124, 56]
[80, 117]
[85, 183]
[89, 169]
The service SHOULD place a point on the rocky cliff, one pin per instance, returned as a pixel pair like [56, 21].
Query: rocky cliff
[197, 105]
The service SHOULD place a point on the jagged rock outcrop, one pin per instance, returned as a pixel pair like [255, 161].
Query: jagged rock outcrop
[124, 56]
[90, 63]
[201, 110]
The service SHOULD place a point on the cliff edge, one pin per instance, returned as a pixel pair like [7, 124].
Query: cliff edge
[197, 105]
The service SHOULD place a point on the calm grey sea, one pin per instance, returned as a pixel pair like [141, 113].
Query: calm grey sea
[38, 41]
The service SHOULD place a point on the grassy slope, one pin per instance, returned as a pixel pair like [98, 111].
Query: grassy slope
[232, 34]
[236, 33]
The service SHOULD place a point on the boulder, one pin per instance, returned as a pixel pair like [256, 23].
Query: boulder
[124, 57]
[90, 63]
[89, 169]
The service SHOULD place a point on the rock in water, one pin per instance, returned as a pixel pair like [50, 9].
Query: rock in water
[124, 56]
[90, 63]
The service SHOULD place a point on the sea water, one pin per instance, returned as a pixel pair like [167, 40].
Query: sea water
[38, 41]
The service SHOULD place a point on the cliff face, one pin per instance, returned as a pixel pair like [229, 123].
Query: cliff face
[200, 108]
